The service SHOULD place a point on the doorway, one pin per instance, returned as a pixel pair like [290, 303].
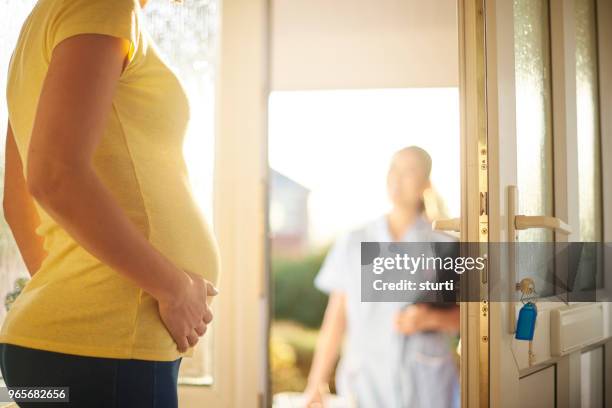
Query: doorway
[351, 84]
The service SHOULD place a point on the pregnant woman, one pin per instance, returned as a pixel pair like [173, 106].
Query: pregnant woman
[97, 196]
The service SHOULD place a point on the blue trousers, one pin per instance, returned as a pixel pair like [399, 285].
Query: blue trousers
[93, 382]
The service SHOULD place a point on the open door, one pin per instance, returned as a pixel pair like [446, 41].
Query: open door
[547, 71]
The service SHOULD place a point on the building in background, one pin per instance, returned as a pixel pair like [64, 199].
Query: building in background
[288, 215]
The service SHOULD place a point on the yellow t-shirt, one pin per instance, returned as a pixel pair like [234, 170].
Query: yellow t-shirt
[75, 303]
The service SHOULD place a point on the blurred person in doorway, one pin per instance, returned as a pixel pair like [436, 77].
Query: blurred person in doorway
[395, 355]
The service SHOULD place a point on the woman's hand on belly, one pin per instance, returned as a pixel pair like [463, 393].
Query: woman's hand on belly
[187, 314]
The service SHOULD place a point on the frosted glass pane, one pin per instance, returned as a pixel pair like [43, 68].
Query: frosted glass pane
[186, 35]
[589, 148]
[533, 126]
[587, 111]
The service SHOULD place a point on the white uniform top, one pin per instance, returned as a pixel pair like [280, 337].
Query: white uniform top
[379, 366]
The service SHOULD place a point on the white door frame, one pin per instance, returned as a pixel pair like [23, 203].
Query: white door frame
[241, 310]
[604, 24]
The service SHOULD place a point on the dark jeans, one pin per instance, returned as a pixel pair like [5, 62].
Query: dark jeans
[93, 382]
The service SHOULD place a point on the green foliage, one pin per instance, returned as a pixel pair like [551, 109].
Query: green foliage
[295, 296]
[291, 351]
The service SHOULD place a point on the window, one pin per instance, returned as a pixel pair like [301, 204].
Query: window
[186, 34]
[534, 130]
[14, 12]
[587, 119]
[589, 146]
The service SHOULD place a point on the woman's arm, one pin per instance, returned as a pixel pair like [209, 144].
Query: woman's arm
[72, 112]
[19, 210]
[328, 346]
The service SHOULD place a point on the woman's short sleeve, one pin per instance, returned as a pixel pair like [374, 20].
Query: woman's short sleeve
[334, 273]
[117, 18]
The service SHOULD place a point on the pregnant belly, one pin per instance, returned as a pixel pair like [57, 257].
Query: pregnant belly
[179, 230]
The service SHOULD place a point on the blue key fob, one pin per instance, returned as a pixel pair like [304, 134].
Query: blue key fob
[525, 327]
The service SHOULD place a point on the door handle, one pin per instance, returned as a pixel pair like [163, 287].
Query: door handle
[449, 224]
[523, 222]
